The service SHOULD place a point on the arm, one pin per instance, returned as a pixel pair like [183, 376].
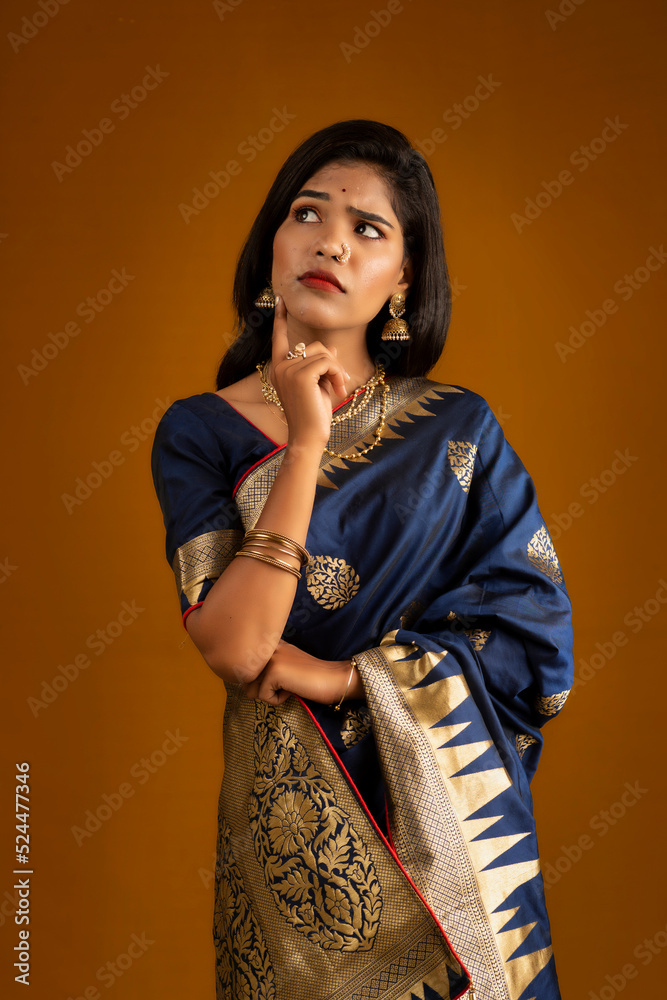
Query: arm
[238, 626]
[491, 649]
[292, 671]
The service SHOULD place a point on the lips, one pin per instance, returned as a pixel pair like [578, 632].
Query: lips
[321, 279]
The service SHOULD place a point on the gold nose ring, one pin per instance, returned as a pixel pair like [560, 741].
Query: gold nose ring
[344, 256]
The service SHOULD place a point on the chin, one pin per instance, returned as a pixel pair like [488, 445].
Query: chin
[316, 313]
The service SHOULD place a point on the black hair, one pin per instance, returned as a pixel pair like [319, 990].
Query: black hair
[415, 203]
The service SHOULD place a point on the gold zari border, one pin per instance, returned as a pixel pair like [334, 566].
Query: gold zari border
[204, 558]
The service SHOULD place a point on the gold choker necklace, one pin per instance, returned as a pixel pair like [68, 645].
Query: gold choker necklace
[368, 388]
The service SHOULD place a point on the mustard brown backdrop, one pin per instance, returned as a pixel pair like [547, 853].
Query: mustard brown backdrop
[141, 139]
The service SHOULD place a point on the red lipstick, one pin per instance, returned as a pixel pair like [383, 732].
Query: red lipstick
[324, 280]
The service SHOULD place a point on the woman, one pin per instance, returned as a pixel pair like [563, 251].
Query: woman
[360, 557]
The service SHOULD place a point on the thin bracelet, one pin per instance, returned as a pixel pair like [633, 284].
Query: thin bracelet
[269, 559]
[347, 686]
[251, 533]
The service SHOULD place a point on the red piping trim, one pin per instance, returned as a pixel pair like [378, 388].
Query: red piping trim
[278, 447]
[255, 464]
[390, 847]
[259, 461]
[186, 613]
[344, 402]
[249, 421]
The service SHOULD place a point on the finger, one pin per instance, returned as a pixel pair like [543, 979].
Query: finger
[317, 347]
[279, 339]
[314, 352]
[321, 366]
[268, 691]
[251, 689]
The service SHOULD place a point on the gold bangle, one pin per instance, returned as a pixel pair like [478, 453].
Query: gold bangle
[347, 686]
[252, 533]
[269, 559]
[276, 548]
[256, 534]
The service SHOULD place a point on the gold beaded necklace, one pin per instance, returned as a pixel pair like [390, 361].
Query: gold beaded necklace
[368, 388]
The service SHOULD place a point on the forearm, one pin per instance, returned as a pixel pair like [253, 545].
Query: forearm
[293, 671]
[238, 626]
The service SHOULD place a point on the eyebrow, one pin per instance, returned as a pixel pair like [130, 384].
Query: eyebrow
[323, 196]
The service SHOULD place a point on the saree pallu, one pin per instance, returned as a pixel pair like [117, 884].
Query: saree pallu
[390, 853]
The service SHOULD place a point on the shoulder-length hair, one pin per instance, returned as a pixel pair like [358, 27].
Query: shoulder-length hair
[415, 202]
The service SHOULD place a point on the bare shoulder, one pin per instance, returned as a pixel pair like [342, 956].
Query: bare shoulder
[246, 390]
[246, 397]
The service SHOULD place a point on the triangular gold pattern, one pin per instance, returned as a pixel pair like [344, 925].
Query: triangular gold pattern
[405, 404]
[468, 794]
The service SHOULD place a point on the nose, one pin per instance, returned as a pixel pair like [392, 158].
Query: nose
[329, 241]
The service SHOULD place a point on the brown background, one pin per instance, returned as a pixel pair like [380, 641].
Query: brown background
[66, 574]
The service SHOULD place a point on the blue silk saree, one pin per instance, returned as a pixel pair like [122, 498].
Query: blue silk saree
[387, 850]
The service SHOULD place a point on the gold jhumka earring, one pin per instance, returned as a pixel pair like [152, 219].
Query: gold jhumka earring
[396, 328]
[266, 299]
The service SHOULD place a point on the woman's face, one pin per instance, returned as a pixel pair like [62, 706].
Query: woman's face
[341, 203]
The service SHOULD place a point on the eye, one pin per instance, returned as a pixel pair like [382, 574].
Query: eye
[365, 226]
[301, 213]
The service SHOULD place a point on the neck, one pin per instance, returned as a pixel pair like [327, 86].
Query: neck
[350, 346]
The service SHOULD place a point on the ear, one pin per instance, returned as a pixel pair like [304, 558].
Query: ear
[406, 278]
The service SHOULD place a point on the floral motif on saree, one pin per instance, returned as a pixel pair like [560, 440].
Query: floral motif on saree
[356, 724]
[320, 874]
[542, 554]
[434, 568]
[243, 966]
[332, 582]
[461, 455]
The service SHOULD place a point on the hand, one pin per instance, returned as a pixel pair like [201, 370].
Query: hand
[306, 386]
[291, 671]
